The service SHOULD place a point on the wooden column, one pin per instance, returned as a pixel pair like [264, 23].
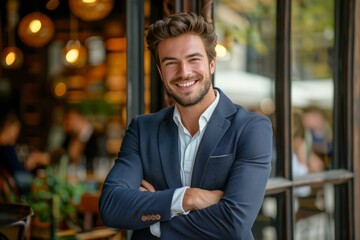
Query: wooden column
[356, 117]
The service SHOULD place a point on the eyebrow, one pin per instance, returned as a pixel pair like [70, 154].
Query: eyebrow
[188, 56]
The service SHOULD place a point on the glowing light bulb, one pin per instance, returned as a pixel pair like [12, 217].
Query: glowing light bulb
[35, 25]
[10, 58]
[88, 1]
[72, 55]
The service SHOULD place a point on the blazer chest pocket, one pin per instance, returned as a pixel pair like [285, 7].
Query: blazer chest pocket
[217, 172]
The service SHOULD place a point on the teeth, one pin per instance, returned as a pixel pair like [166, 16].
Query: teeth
[188, 84]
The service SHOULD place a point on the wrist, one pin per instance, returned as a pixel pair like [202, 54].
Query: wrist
[189, 200]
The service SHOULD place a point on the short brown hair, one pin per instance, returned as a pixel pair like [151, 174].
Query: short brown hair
[178, 24]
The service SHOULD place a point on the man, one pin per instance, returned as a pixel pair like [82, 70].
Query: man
[202, 165]
[82, 141]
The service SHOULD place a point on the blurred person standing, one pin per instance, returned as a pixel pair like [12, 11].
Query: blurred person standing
[82, 142]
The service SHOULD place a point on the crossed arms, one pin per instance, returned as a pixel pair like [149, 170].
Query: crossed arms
[223, 213]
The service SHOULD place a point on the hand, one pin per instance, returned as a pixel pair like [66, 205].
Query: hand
[196, 198]
[37, 159]
[146, 187]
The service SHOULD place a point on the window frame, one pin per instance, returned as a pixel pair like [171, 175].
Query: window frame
[356, 122]
[344, 124]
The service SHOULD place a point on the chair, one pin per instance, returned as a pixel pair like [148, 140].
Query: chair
[93, 227]
[8, 187]
[15, 221]
[89, 207]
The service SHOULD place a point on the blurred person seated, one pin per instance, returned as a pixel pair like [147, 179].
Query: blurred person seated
[315, 120]
[304, 159]
[10, 126]
[302, 147]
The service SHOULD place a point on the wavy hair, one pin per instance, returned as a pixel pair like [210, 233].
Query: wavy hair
[178, 24]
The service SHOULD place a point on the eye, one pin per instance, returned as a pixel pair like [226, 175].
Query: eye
[194, 59]
[168, 63]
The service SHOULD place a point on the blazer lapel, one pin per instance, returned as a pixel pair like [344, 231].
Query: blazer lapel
[169, 153]
[215, 129]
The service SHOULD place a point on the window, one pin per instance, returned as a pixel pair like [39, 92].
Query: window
[283, 59]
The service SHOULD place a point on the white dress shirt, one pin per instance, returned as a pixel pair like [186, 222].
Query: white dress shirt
[188, 146]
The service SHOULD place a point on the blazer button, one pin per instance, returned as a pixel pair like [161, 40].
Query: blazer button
[148, 217]
[157, 217]
[153, 217]
[143, 218]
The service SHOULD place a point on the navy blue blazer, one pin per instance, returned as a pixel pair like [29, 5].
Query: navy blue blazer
[234, 156]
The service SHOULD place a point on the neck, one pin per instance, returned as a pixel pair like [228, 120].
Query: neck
[190, 114]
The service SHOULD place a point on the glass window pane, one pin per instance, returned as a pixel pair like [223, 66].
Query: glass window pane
[314, 212]
[246, 52]
[245, 66]
[266, 224]
[312, 47]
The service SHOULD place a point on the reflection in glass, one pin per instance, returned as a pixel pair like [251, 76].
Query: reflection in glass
[314, 212]
[312, 85]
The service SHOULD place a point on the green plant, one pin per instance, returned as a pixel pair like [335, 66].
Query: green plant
[53, 198]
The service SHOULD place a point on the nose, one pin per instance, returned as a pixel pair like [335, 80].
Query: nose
[184, 69]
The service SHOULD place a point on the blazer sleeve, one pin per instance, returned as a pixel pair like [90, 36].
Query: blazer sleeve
[234, 215]
[121, 203]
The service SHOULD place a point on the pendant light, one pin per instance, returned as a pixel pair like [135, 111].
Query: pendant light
[11, 57]
[91, 10]
[75, 54]
[36, 29]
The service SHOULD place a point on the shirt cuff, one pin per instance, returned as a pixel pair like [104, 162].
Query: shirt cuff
[176, 203]
[155, 229]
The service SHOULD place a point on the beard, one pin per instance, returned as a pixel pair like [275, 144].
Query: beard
[188, 100]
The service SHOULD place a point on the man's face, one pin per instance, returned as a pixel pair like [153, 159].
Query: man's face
[12, 131]
[185, 69]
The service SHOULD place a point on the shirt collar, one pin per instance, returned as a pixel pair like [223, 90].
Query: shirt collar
[205, 116]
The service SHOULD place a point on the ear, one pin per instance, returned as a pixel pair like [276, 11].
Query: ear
[212, 66]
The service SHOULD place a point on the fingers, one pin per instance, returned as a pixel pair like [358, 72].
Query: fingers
[146, 187]
[195, 198]
[142, 189]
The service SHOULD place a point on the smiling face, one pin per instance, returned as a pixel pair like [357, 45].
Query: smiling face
[185, 69]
